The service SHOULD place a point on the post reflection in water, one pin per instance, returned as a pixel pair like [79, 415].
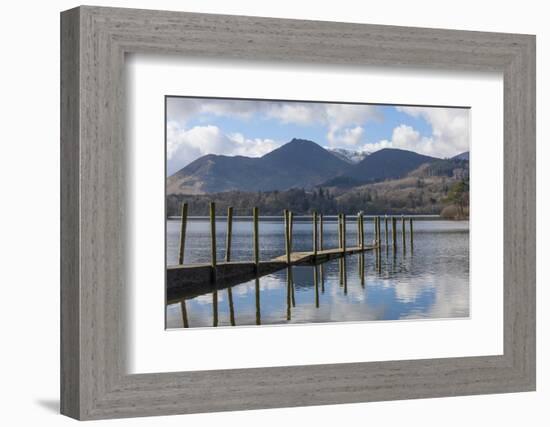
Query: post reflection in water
[184, 314]
[288, 293]
[345, 275]
[215, 307]
[257, 289]
[430, 282]
[322, 278]
[361, 257]
[316, 284]
[231, 306]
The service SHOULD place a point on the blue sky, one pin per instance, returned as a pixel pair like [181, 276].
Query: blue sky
[200, 126]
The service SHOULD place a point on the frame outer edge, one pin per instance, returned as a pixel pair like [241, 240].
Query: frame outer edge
[86, 345]
[70, 396]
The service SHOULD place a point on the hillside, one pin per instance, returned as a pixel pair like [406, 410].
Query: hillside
[388, 163]
[297, 164]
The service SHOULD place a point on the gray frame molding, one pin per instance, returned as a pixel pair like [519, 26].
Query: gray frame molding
[94, 41]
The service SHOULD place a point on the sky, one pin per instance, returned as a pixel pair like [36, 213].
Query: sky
[199, 126]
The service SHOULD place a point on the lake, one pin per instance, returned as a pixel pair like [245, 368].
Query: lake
[429, 281]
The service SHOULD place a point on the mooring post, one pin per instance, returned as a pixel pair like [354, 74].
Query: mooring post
[394, 231]
[362, 232]
[403, 236]
[379, 232]
[228, 259]
[213, 261]
[314, 233]
[358, 230]
[375, 219]
[375, 230]
[290, 226]
[340, 231]
[183, 228]
[344, 233]
[340, 246]
[256, 238]
[213, 238]
[321, 226]
[386, 229]
[228, 234]
[287, 235]
[411, 230]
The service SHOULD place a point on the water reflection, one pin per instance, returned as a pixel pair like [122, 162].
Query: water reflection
[430, 282]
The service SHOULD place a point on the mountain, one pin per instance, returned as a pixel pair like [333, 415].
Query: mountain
[350, 156]
[298, 164]
[462, 156]
[388, 163]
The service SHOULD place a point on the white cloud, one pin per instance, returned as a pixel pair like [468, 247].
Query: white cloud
[296, 112]
[181, 110]
[343, 121]
[342, 115]
[186, 145]
[450, 132]
[348, 136]
[450, 129]
[407, 138]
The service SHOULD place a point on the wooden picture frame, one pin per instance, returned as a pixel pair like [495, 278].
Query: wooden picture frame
[94, 41]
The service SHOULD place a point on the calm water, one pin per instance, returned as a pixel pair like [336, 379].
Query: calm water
[431, 281]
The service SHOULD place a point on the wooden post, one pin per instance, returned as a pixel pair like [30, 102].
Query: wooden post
[256, 238]
[375, 219]
[394, 231]
[228, 234]
[358, 230]
[183, 228]
[379, 226]
[344, 233]
[411, 230]
[321, 226]
[362, 232]
[375, 230]
[386, 229]
[340, 246]
[228, 259]
[287, 235]
[213, 237]
[403, 236]
[290, 226]
[339, 231]
[314, 233]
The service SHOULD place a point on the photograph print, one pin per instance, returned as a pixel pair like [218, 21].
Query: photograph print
[282, 212]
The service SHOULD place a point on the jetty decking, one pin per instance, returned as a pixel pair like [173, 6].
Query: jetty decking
[187, 281]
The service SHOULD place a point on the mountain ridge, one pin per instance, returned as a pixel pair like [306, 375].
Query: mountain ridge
[300, 163]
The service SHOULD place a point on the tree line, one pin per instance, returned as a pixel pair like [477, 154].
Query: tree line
[420, 199]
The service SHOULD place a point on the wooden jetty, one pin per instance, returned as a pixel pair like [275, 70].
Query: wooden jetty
[187, 281]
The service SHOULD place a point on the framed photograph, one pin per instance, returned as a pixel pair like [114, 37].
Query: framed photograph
[262, 213]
